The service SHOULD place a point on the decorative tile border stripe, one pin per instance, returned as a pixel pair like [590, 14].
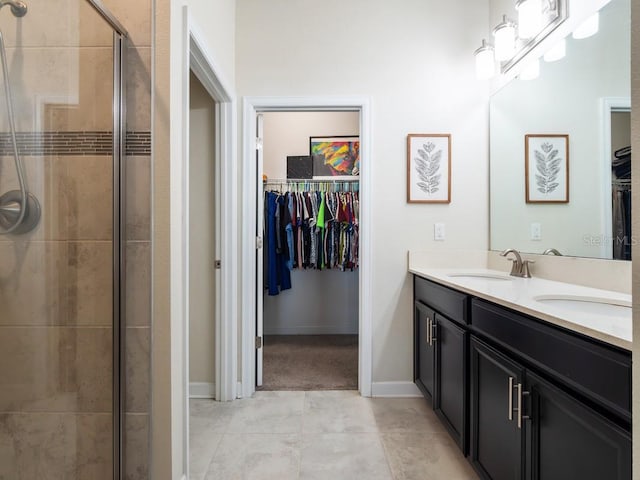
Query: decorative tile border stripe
[138, 144]
[73, 143]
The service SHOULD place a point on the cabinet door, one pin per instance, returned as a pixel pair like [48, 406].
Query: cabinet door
[450, 399]
[570, 441]
[496, 440]
[424, 351]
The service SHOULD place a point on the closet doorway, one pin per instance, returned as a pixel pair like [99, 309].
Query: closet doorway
[310, 295]
[204, 241]
[256, 304]
[616, 140]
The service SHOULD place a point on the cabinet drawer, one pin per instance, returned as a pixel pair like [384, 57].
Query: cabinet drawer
[600, 373]
[445, 301]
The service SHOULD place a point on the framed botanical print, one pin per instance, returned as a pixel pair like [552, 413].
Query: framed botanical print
[429, 168]
[546, 168]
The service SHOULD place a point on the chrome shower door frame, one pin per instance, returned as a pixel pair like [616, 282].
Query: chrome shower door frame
[120, 36]
[119, 242]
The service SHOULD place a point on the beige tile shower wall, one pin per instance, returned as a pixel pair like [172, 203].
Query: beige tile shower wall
[57, 89]
[55, 283]
[56, 323]
[56, 24]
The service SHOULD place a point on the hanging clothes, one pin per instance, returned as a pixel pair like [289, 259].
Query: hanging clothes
[621, 201]
[311, 229]
[621, 221]
[278, 274]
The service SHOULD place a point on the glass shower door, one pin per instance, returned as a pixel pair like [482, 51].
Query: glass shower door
[58, 417]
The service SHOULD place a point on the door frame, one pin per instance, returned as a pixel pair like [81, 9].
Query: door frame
[251, 107]
[204, 68]
[609, 106]
[195, 57]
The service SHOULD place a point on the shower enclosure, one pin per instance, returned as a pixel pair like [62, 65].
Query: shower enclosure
[61, 241]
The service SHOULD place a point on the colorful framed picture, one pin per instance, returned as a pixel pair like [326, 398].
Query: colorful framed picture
[337, 156]
[546, 159]
[429, 168]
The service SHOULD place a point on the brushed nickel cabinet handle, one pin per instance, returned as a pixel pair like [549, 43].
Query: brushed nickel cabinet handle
[434, 332]
[520, 415]
[519, 393]
[510, 416]
[428, 331]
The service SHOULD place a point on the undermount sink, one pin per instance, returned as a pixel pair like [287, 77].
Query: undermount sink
[481, 276]
[586, 304]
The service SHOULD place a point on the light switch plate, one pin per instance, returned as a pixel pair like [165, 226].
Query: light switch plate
[439, 232]
[536, 231]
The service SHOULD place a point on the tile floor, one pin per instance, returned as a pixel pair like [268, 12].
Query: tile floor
[330, 435]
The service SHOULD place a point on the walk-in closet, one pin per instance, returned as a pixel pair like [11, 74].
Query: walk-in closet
[621, 183]
[310, 217]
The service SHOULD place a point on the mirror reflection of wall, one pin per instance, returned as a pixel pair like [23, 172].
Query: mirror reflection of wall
[569, 97]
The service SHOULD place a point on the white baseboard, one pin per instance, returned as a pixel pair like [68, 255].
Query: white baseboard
[337, 329]
[395, 389]
[202, 390]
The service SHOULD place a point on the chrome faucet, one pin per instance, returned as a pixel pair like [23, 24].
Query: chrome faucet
[551, 251]
[519, 267]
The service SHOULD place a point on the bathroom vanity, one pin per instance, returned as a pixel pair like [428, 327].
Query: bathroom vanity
[531, 377]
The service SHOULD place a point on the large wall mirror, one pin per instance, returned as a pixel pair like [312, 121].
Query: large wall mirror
[581, 101]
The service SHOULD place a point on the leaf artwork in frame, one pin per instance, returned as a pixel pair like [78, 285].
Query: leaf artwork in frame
[547, 168]
[428, 168]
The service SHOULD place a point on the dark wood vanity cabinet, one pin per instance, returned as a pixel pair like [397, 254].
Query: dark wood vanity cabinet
[568, 440]
[424, 358]
[440, 360]
[450, 399]
[496, 445]
[539, 402]
[524, 427]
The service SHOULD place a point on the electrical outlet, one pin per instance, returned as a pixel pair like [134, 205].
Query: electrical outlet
[438, 232]
[536, 231]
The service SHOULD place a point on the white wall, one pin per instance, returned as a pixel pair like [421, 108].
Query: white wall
[414, 58]
[214, 22]
[566, 98]
[287, 134]
[319, 302]
[201, 234]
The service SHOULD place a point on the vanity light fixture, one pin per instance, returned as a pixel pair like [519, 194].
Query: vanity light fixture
[505, 39]
[529, 17]
[515, 41]
[485, 61]
[558, 51]
[588, 28]
[531, 71]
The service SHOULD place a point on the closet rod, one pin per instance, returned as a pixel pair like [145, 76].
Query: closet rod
[309, 180]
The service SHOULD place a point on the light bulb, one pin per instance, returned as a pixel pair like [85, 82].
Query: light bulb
[531, 71]
[588, 27]
[505, 39]
[529, 17]
[485, 61]
[558, 51]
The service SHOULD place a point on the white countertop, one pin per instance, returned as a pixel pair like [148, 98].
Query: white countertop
[519, 294]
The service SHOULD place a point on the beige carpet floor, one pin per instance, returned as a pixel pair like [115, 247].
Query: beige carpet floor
[310, 362]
